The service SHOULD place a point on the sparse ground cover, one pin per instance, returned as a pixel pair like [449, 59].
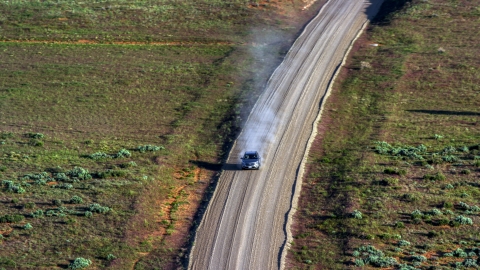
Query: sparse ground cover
[393, 177]
[106, 149]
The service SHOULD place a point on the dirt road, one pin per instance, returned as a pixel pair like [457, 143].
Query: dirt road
[246, 225]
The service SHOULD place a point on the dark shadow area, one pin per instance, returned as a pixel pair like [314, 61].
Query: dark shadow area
[216, 166]
[440, 112]
[385, 12]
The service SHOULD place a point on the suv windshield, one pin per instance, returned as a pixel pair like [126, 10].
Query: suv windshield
[250, 156]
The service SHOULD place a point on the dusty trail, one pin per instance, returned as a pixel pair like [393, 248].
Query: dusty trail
[245, 224]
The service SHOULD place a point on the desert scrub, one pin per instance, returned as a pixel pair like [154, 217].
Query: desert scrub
[35, 135]
[403, 243]
[11, 218]
[37, 214]
[462, 220]
[12, 187]
[97, 208]
[123, 153]
[61, 177]
[356, 214]
[99, 155]
[79, 263]
[76, 200]
[435, 177]
[416, 214]
[369, 255]
[79, 173]
[149, 148]
[27, 226]
[403, 151]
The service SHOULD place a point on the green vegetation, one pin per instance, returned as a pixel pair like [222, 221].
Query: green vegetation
[400, 146]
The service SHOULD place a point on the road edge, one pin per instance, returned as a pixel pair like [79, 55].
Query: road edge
[313, 135]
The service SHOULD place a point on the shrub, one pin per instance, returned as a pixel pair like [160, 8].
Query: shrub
[80, 263]
[399, 225]
[111, 257]
[35, 142]
[12, 187]
[95, 207]
[410, 197]
[65, 186]
[149, 148]
[435, 177]
[356, 214]
[459, 253]
[403, 243]
[123, 153]
[76, 200]
[448, 150]
[449, 186]
[463, 220]
[35, 135]
[27, 226]
[29, 205]
[99, 155]
[359, 262]
[464, 149]
[11, 218]
[435, 212]
[419, 258]
[449, 158]
[416, 214]
[463, 205]
[79, 173]
[437, 137]
[470, 263]
[465, 171]
[37, 214]
[88, 214]
[128, 165]
[369, 255]
[61, 177]
[57, 202]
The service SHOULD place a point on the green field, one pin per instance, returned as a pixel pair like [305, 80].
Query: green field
[393, 178]
[115, 117]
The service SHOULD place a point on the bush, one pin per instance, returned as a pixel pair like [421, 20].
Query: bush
[435, 212]
[79, 173]
[99, 155]
[463, 220]
[35, 135]
[11, 218]
[97, 208]
[419, 258]
[435, 177]
[417, 214]
[459, 253]
[76, 200]
[128, 165]
[149, 148]
[463, 205]
[65, 186]
[61, 177]
[57, 202]
[80, 263]
[35, 142]
[37, 214]
[449, 186]
[470, 263]
[356, 214]
[111, 257]
[449, 158]
[123, 153]
[399, 225]
[403, 243]
[27, 226]
[88, 214]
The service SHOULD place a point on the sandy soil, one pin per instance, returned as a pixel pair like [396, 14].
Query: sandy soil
[246, 225]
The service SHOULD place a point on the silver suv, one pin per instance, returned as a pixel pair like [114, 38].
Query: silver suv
[251, 160]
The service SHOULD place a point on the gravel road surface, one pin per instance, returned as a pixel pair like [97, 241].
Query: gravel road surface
[246, 225]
